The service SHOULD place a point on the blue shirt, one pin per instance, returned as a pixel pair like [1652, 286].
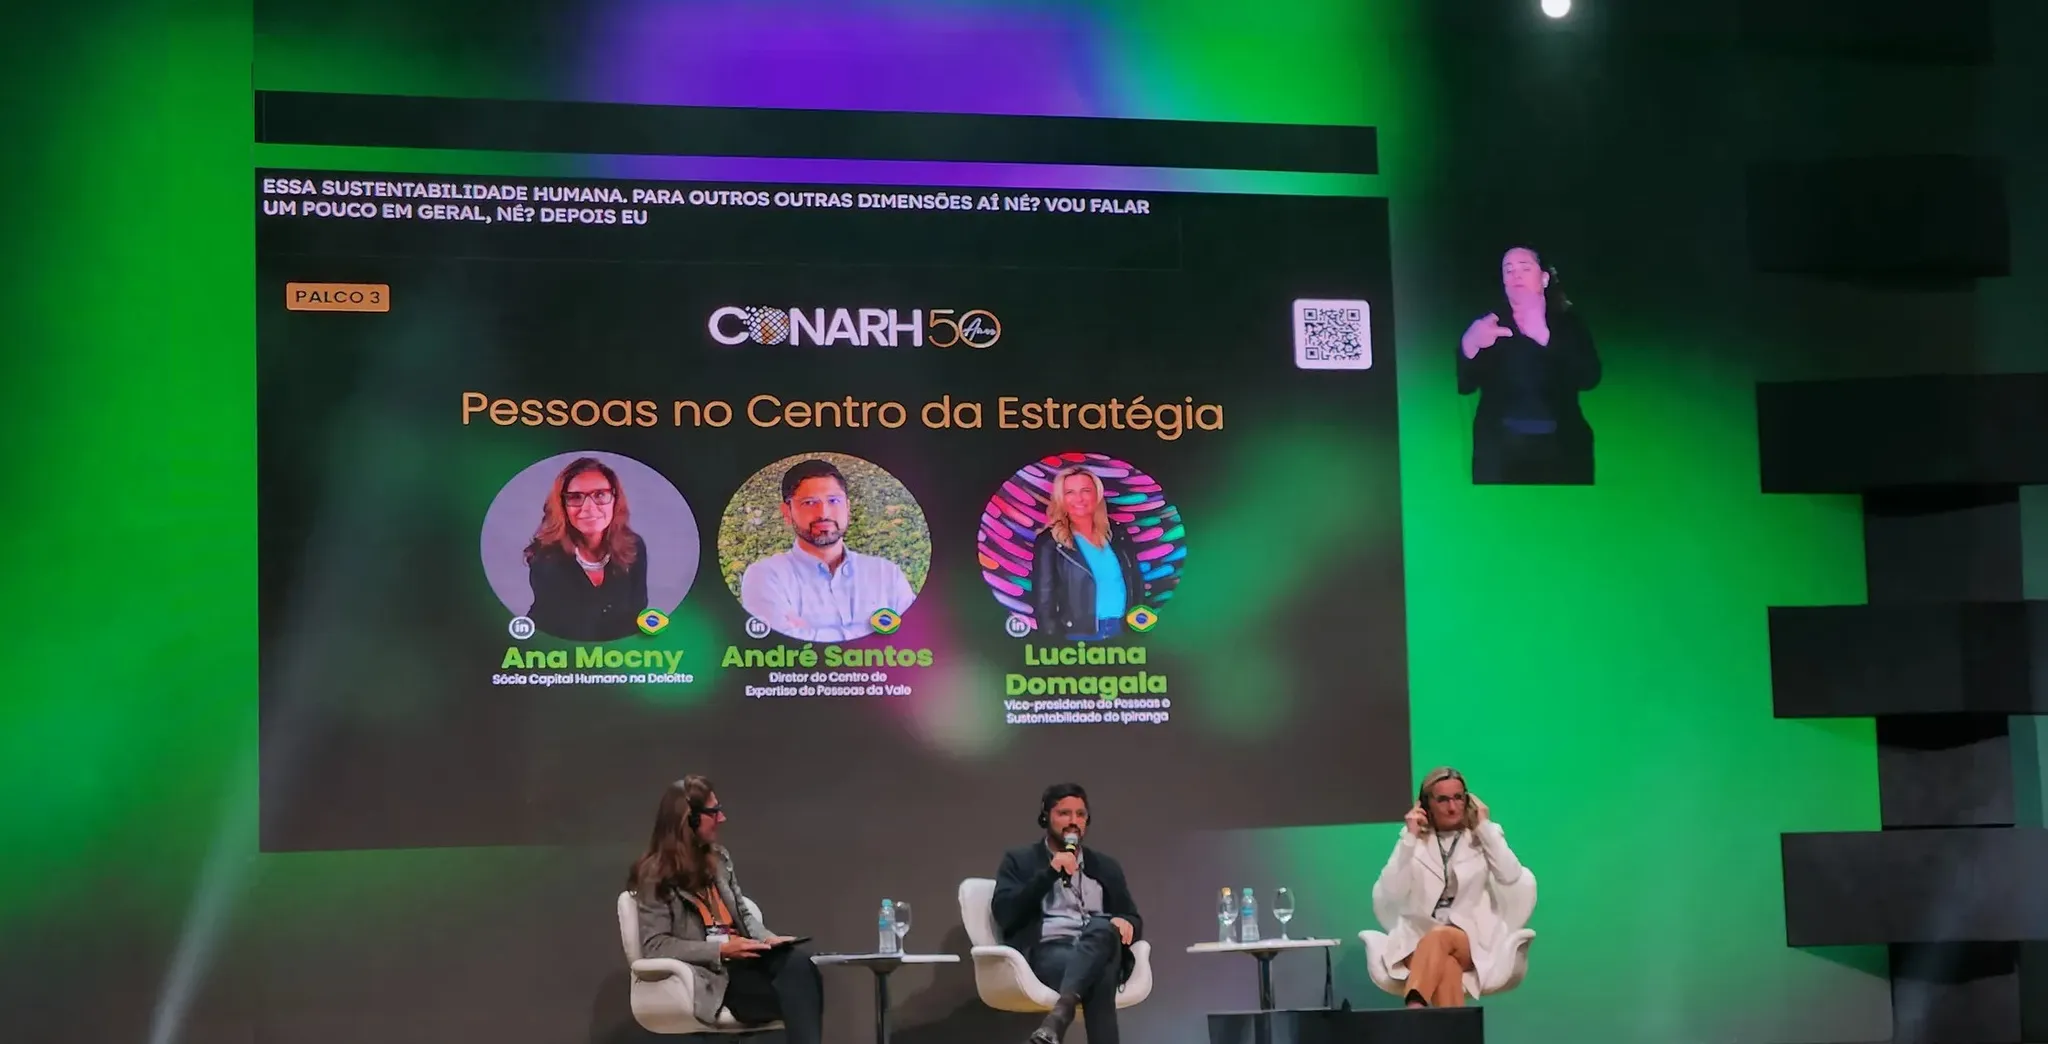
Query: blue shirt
[802, 598]
[1110, 595]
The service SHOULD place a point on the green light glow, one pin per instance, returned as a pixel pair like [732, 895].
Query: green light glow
[129, 379]
[1596, 661]
[1232, 615]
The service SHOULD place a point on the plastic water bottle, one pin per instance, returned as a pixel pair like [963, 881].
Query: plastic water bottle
[889, 941]
[1248, 919]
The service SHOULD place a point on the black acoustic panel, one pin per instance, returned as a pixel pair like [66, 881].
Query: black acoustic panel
[1917, 219]
[1466, 1025]
[1902, 432]
[1948, 992]
[1945, 770]
[1953, 32]
[1853, 661]
[1944, 544]
[394, 121]
[2034, 991]
[1965, 884]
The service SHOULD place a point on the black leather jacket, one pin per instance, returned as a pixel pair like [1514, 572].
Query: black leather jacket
[1063, 590]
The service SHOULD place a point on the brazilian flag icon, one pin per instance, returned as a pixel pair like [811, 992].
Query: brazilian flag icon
[885, 621]
[653, 621]
[1141, 618]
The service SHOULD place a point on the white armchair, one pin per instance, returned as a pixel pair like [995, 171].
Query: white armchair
[1002, 976]
[665, 990]
[1517, 903]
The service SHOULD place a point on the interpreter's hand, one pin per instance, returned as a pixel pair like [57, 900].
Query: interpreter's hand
[1124, 929]
[740, 948]
[1065, 863]
[1482, 333]
[1417, 820]
[778, 940]
[1479, 812]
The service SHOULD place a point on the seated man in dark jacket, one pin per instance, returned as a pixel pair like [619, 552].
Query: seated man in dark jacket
[1067, 909]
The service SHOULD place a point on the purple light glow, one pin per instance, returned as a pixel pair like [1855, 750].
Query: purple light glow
[845, 55]
[898, 172]
[951, 56]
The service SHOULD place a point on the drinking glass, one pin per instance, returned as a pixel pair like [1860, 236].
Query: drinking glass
[1283, 909]
[902, 923]
[1226, 915]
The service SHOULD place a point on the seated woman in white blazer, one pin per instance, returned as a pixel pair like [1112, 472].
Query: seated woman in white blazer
[1449, 853]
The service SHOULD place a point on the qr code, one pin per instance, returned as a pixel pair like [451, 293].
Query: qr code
[1332, 335]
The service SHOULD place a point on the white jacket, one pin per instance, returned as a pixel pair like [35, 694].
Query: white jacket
[1414, 879]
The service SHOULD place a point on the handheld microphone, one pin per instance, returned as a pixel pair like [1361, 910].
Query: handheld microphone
[1073, 843]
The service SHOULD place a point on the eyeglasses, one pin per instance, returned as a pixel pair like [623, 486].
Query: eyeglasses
[812, 503]
[1447, 799]
[601, 497]
[713, 812]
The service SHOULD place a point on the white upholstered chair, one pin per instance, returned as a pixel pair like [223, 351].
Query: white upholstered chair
[1002, 976]
[1517, 903]
[664, 989]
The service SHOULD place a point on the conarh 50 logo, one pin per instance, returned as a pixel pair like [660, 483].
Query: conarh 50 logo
[855, 327]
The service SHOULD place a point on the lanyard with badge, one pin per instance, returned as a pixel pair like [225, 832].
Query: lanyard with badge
[716, 929]
[1450, 893]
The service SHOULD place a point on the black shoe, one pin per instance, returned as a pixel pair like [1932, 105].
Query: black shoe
[1056, 1022]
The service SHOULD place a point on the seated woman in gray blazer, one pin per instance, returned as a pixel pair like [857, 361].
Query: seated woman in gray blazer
[692, 910]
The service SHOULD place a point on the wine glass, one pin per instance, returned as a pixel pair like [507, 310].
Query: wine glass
[902, 925]
[1283, 909]
[1226, 915]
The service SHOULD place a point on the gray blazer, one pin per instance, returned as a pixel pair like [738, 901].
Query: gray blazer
[671, 927]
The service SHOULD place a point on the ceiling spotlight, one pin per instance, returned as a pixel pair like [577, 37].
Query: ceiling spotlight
[1557, 8]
